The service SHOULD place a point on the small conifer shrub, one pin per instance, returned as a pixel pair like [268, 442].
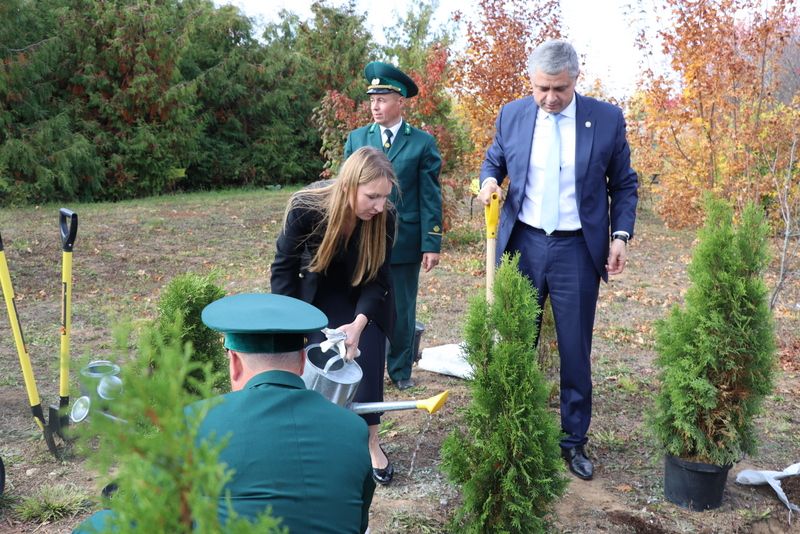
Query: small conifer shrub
[507, 461]
[716, 352]
[183, 300]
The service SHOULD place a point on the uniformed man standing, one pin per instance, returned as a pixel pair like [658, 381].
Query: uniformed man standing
[416, 162]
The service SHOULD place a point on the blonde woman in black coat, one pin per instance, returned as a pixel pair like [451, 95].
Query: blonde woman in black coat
[334, 252]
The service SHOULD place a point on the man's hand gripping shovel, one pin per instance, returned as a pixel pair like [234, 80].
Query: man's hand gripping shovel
[58, 419]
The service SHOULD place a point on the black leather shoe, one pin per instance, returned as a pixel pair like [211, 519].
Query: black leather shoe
[405, 383]
[579, 464]
[109, 490]
[383, 476]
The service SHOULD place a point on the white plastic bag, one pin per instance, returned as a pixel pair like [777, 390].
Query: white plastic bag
[751, 477]
[446, 360]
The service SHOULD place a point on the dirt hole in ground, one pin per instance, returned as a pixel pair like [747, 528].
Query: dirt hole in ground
[637, 524]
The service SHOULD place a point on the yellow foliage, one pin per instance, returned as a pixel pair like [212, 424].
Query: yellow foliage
[721, 129]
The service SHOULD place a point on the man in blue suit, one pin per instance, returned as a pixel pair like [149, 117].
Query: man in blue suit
[569, 212]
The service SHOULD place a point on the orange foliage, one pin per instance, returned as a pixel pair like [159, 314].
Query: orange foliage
[721, 129]
[493, 70]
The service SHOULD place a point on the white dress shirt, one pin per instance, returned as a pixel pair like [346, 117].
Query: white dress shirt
[531, 211]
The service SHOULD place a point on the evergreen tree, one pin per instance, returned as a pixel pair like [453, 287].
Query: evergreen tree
[254, 102]
[338, 43]
[716, 353]
[92, 101]
[42, 154]
[508, 463]
[182, 304]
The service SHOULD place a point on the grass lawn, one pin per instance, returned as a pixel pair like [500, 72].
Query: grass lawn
[126, 252]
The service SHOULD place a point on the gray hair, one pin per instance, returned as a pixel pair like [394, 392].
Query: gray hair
[554, 57]
[271, 360]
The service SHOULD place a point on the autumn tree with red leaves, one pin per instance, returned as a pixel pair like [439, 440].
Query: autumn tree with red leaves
[493, 69]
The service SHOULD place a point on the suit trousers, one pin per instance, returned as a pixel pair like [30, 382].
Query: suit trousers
[405, 282]
[561, 268]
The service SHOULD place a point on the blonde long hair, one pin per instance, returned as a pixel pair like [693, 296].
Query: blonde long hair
[335, 203]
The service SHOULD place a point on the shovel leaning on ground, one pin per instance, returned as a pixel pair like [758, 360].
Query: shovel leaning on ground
[58, 418]
[450, 359]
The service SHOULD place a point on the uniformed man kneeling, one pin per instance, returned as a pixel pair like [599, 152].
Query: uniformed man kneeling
[290, 448]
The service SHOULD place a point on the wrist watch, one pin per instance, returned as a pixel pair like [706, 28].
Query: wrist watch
[621, 236]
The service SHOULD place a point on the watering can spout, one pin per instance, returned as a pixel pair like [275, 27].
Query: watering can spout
[433, 404]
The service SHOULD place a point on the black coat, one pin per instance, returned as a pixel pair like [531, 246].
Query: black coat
[296, 246]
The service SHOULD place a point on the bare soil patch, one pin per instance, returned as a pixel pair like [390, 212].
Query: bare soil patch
[125, 253]
[791, 487]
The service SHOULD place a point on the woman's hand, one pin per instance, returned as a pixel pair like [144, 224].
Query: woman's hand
[353, 331]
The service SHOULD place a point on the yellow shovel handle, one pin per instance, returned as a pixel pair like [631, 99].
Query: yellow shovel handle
[19, 340]
[68, 224]
[492, 214]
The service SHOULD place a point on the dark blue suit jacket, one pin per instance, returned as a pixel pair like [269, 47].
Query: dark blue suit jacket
[605, 184]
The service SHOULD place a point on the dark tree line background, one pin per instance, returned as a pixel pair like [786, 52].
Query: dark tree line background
[116, 99]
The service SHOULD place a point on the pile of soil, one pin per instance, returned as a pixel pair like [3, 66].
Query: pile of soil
[791, 487]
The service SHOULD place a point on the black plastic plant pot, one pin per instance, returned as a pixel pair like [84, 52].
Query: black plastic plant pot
[419, 329]
[693, 485]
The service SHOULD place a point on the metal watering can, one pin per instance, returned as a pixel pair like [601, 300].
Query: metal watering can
[327, 373]
[103, 376]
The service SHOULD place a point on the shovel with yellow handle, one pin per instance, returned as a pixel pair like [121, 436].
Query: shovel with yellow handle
[58, 419]
[492, 214]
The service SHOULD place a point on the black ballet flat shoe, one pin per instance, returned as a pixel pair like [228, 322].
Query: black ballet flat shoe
[109, 490]
[383, 476]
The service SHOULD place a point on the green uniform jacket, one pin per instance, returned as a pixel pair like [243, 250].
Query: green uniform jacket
[295, 451]
[416, 162]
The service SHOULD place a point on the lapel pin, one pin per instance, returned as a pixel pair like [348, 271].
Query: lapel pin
[588, 124]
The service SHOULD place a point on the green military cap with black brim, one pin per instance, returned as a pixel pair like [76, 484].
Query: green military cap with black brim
[384, 78]
[263, 323]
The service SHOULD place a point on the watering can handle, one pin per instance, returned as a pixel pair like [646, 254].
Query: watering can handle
[68, 229]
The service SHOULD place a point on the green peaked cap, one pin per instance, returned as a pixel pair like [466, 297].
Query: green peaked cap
[263, 322]
[385, 78]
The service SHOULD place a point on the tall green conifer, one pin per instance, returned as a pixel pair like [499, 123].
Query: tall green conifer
[507, 461]
[167, 483]
[716, 352]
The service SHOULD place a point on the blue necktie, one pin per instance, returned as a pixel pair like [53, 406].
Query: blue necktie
[552, 177]
[388, 144]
